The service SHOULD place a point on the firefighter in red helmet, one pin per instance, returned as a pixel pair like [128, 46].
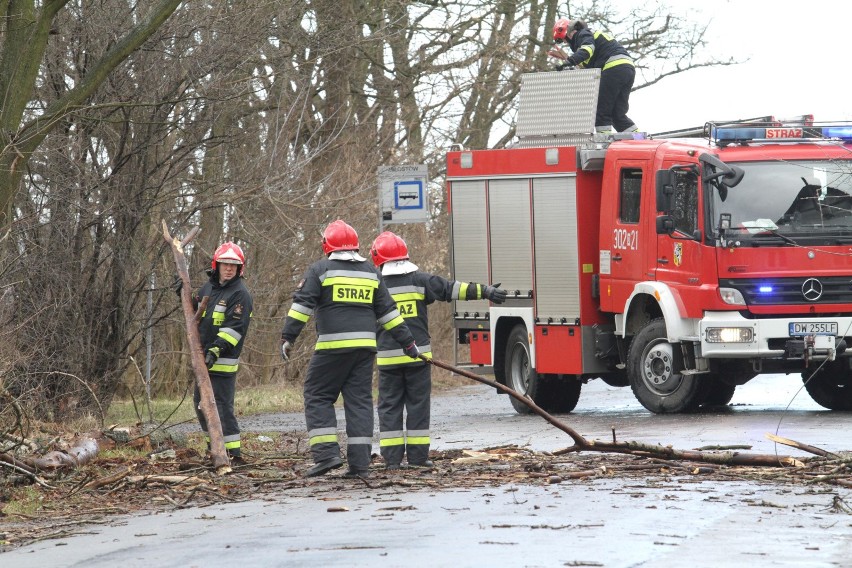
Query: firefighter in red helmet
[222, 330]
[599, 50]
[346, 295]
[405, 384]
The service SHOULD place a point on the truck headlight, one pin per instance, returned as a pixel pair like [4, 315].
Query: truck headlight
[732, 296]
[730, 335]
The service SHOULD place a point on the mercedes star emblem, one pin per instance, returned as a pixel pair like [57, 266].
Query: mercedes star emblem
[812, 289]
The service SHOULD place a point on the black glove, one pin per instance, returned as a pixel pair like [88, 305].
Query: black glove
[211, 357]
[177, 285]
[286, 348]
[494, 293]
[412, 351]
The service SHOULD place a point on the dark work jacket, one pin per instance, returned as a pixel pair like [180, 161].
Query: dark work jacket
[225, 321]
[596, 49]
[412, 292]
[348, 298]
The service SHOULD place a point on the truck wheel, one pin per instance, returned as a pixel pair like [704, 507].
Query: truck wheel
[719, 392]
[558, 393]
[655, 383]
[520, 376]
[831, 387]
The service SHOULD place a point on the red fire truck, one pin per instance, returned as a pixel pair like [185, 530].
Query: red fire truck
[680, 267]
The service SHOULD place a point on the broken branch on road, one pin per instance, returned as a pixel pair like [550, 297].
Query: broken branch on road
[581, 444]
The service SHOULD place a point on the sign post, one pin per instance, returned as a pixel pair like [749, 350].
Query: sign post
[402, 194]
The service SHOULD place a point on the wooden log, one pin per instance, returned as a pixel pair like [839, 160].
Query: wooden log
[202, 377]
[82, 452]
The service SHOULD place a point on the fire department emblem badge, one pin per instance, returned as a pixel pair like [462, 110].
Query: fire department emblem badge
[678, 254]
[238, 310]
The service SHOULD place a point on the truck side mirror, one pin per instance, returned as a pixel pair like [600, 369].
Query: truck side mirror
[665, 225]
[665, 190]
[722, 174]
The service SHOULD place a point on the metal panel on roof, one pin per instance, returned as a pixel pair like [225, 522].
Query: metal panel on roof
[557, 108]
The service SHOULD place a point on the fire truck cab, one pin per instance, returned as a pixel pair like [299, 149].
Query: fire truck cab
[679, 267]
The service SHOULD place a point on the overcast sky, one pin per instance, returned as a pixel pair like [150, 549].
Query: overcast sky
[798, 63]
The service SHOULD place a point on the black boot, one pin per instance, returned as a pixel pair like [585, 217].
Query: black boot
[323, 467]
[357, 473]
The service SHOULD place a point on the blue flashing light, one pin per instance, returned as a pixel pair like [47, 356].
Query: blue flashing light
[842, 132]
[722, 134]
[765, 289]
[781, 133]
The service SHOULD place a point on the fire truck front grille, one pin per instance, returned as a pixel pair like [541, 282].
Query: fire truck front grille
[788, 291]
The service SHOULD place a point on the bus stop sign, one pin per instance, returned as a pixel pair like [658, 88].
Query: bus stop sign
[402, 194]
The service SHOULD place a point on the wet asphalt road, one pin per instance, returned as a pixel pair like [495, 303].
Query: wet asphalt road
[614, 523]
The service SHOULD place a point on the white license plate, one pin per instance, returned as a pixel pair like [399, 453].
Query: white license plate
[813, 328]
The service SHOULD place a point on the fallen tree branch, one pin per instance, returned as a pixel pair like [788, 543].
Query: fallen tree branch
[110, 479]
[166, 479]
[581, 444]
[202, 377]
[22, 468]
[20, 465]
[801, 446]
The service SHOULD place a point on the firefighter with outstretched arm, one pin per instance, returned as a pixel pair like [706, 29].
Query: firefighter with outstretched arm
[405, 383]
[348, 298]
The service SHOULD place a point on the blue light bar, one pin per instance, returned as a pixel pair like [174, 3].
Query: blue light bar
[780, 133]
[842, 132]
[721, 134]
[765, 289]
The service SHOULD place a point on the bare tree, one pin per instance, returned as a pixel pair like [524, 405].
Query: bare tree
[258, 121]
[26, 27]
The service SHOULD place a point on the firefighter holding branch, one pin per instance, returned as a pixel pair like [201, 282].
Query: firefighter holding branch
[226, 306]
[405, 383]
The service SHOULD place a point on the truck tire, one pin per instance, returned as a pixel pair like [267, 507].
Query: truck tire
[831, 387]
[652, 378]
[719, 393]
[558, 393]
[553, 393]
[520, 375]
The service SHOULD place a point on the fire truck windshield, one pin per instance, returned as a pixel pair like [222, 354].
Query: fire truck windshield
[788, 202]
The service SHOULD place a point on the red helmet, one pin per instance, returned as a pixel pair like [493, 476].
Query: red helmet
[560, 30]
[388, 246]
[339, 236]
[229, 253]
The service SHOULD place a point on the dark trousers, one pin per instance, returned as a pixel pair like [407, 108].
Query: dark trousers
[224, 388]
[405, 388]
[613, 98]
[329, 375]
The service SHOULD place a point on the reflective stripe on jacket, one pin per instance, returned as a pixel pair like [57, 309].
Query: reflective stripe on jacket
[596, 49]
[413, 292]
[348, 299]
[225, 321]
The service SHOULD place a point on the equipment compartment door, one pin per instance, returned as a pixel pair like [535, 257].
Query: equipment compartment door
[470, 239]
[557, 265]
[511, 234]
